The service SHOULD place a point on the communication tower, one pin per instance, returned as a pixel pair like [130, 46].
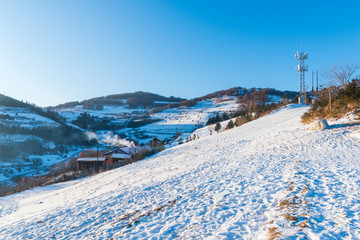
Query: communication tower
[302, 68]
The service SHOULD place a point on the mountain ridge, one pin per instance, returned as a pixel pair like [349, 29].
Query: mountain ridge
[147, 99]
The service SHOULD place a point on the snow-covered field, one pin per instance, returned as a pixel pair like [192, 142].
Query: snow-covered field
[25, 169]
[117, 113]
[172, 121]
[268, 178]
[186, 120]
[23, 117]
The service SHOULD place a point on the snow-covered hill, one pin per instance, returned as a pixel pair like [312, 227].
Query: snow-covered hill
[169, 122]
[159, 116]
[268, 178]
[186, 120]
[11, 161]
[32, 139]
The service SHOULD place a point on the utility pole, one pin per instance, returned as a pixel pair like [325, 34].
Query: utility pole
[312, 83]
[317, 81]
[330, 93]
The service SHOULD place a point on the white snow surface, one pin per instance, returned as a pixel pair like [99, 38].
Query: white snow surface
[173, 121]
[186, 120]
[23, 117]
[225, 186]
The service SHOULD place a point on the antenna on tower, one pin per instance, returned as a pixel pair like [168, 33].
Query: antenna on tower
[302, 68]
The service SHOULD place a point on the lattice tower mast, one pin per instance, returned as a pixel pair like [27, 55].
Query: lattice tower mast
[302, 68]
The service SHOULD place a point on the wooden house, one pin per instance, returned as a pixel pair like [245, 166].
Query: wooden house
[156, 143]
[117, 156]
[91, 162]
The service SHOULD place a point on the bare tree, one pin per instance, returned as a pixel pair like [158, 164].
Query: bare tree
[344, 73]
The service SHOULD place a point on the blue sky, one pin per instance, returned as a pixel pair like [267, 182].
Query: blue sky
[53, 52]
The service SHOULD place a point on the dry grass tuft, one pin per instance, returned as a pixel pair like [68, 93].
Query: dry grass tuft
[285, 203]
[290, 217]
[127, 215]
[305, 190]
[288, 203]
[304, 224]
[273, 233]
[146, 214]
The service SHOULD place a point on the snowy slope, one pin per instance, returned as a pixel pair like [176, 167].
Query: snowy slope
[25, 162]
[171, 121]
[243, 183]
[23, 117]
[185, 120]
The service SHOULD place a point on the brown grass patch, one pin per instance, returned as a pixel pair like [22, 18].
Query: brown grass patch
[304, 224]
[137, 219]
[291, 186]
[305, 190]
[273, 233]
[287, 203]
[290, 217]
[224, 100]
[127, 215]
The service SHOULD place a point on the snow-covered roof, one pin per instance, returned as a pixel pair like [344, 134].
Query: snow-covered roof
[117, 150]
[133, 149]
[91, 159]
[125, 149]
[120, 155]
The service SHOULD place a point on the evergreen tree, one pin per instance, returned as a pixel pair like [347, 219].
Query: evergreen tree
[217, 126]
[217, 118]
[230, 125]
[225, 116]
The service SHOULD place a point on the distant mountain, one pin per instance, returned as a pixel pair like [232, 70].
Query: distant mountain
[240, 92]
[133, 100]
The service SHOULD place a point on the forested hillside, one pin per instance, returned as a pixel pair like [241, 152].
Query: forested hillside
[28, 132]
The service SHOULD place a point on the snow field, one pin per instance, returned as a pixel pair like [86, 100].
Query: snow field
[25, 118]
[231, 185]
[186, 120]
[177, 120]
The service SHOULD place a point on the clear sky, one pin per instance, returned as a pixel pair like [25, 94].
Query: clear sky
[53, 52]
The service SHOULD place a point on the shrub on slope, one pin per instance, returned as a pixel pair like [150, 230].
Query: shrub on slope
[343, 101]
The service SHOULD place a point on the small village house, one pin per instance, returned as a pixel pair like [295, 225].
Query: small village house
[118, 156]
[91, 162]
[156, 143]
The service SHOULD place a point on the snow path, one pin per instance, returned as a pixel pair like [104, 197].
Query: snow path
[226, 186]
